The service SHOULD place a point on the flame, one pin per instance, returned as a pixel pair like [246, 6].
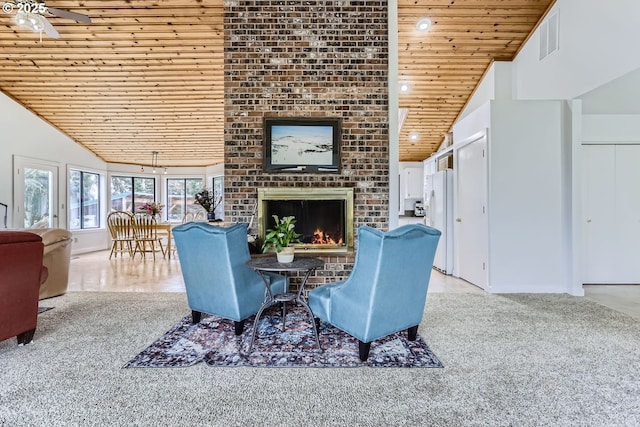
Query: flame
[322, 238]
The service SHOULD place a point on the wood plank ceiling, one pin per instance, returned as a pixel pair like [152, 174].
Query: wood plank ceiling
[143, 76]
[444, 64]
[148, 75]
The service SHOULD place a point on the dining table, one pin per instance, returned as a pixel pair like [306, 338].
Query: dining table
[165, 228]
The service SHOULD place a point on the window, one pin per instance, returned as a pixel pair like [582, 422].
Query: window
[128, 193]
[84, 200]
[181, 196]
[218, 193]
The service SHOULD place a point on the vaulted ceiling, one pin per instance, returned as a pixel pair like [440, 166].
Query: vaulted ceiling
[148, 75]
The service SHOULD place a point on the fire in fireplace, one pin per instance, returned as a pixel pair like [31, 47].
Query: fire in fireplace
[324, 216]
[322, 238]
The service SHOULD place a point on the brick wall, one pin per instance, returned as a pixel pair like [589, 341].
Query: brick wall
[308, 59]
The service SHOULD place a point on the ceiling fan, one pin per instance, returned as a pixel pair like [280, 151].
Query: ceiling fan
[32, 15]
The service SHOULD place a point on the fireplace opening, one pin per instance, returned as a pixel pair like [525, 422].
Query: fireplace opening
[324, 216]
[319, 222]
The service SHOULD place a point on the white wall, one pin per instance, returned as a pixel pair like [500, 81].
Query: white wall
[476, 121]
[597, 43]
[496, 84]
[215, 170]
[528, 239]
[26, 135]
[612, 129]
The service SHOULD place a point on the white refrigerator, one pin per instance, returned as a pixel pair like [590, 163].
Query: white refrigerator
[439, 215]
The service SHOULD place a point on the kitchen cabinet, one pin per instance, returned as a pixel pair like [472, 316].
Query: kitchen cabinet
[413, 178]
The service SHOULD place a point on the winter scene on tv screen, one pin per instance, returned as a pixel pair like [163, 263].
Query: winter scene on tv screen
[301, 145]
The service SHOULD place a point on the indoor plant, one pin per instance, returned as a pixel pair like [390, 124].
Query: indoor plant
[151, 208]
[207, 199]
[280, 237]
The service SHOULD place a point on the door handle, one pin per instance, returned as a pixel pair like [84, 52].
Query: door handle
[458, 219]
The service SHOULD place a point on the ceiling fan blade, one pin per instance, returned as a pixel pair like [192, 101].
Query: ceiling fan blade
[48, 28]
[69, 15]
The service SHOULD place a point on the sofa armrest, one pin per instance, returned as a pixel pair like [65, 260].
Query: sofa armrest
[57, 256]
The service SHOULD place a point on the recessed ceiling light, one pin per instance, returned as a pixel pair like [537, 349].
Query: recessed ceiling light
[423, 24]
[404, 87]
[413, 136]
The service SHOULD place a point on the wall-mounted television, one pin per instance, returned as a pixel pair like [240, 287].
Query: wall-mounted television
[301, 144]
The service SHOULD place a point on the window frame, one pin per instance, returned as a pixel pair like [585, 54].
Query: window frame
[184, 188]
[132, 179]
[98, 209]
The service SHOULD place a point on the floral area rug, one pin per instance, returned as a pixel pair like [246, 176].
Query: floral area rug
[214, 342]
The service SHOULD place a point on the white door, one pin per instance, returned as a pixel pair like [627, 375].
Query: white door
[471, 216]
[599, 181]
[628, 212]
[36, 194]
[611, 214]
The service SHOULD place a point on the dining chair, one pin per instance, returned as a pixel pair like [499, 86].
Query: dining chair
[192, 215]
[195, 215]
[146, 235]
[386, 291]
[188, 217]
[121, 230]
[200, 216]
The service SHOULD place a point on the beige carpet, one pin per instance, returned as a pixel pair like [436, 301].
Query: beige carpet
[516, 360]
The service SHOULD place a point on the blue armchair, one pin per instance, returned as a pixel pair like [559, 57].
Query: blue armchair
[217, 279]
[387, 288]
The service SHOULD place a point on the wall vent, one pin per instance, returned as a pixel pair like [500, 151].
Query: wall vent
[549, 36]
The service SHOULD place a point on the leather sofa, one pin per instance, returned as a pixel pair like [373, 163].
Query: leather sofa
[21, 273]
[57, 256]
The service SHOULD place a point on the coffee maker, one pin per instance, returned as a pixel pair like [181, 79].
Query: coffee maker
[418, 209]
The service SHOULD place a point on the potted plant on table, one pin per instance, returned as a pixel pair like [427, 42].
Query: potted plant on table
[208, 200]
[280, 237]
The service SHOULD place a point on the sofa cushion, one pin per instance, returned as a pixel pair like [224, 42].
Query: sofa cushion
[57, 255]
[52, 235]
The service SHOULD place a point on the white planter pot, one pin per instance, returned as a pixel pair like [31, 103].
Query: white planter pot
[286, 255]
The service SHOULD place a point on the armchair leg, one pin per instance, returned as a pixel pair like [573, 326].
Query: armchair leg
[363, 350]
[239, 327]
[26, 337]
[195, 316]
[412, 333]
[284, 314]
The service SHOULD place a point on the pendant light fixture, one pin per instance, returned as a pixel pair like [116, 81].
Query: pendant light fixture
[154, 160]
[154, 164]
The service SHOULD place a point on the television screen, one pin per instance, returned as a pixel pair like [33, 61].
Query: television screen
[302, 144]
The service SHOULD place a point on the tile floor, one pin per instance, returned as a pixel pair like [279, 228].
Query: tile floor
[95, 272]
